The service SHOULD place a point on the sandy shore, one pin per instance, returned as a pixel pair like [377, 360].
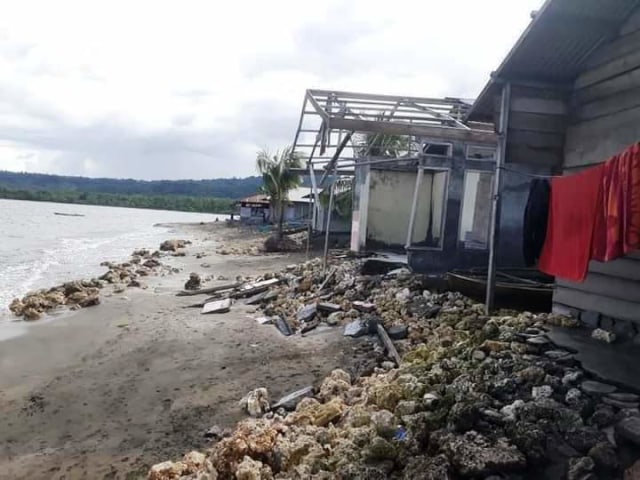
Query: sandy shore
[109, 390]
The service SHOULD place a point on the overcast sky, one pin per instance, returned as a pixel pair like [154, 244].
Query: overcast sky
[192, 89]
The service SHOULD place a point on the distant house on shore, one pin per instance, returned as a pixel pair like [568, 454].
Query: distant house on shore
[256, 209]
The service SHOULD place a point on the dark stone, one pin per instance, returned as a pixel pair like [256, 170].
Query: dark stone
[602, 417]
[590, 319]
[619, 403]
[629, 429]
[584, 438]
[282, 325]
[596, 389]
[624, 329]
[307, 313]
[398, 332]
[428, 468]
[607, 323]
[580, 468]
[624, 397]
[329, 307]
[356, 329]
[604, 455]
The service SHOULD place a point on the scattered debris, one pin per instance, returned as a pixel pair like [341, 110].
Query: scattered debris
[283, 326]
[603, 335]
[217, 306]
[290, 402]
[256, 402]
[194, 282]
[173, 245]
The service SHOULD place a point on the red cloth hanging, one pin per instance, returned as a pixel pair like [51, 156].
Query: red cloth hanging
[617, 228]
[570, 229]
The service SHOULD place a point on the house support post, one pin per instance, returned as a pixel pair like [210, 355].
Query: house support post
[414, 206]
[328, 226]
[494, 232]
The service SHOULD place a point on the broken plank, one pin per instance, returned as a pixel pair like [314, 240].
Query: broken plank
[257, 298]
[329, 277]
[388, 344]
[206, 291]
[218, 306]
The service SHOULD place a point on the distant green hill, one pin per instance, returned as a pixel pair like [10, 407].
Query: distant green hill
[210, 196]
[233, 188]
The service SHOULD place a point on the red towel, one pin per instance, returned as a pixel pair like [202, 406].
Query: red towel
[570, 228]
[617, 228]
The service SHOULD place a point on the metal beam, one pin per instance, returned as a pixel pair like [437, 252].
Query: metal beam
[494, 232]
[398, 128]
[332, 164]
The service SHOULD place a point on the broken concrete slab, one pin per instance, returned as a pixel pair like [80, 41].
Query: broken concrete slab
[218, 306]
[290, 401]
[617, 363]
[307, 313]
[328, 307]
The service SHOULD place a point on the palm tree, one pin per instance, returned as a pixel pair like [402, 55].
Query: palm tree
[278, 179]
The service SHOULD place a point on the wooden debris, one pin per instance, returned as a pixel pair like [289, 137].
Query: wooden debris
[289, 402]
[329, 307]
[283, 326]
[307, 327]
[330, 275]
[365, 307]
[253, 288]
[206, 291]
[257, 298]
[218, 306]
[388, 344]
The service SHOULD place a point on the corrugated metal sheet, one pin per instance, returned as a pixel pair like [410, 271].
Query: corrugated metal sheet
[556, 45]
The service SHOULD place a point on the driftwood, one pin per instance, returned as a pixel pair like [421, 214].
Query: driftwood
[206, 291]
[388, 344]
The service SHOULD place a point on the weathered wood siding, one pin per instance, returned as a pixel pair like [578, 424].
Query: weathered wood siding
[537, 125]
[604, 119]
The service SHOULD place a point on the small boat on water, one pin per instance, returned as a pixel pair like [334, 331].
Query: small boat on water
[69, 214]
[515, 287]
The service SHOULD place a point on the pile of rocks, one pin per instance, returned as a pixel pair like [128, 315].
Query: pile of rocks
[476, 396]
[86, 293]
[75, 295]
[173, 245]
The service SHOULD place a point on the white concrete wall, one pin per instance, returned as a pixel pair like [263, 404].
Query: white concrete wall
[390, 198]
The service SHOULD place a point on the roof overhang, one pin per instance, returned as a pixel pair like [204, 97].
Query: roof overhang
[554, 48]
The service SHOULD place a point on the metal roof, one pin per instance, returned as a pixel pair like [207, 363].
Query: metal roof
[555, 46]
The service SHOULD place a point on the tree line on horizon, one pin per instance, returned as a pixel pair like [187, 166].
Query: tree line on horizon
[234, 188]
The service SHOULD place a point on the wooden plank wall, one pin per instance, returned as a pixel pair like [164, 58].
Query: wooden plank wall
[537, 125]
[604, 119]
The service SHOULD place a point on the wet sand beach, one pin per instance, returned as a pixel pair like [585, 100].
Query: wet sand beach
[109, 390]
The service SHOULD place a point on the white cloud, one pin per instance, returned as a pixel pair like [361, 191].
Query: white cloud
[191, 89]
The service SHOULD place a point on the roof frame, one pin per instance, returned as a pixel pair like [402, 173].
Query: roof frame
[337, 117]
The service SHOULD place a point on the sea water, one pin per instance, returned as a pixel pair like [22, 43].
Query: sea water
[39, 249]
